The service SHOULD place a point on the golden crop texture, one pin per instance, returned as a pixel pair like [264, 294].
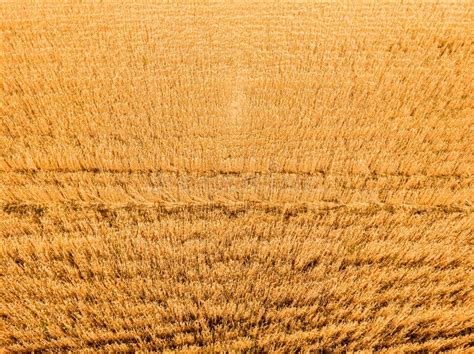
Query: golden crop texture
[236, 176]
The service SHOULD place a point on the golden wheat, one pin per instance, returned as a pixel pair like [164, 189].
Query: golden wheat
[236, 176]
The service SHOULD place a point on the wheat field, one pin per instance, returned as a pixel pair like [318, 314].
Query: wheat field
[236, 176]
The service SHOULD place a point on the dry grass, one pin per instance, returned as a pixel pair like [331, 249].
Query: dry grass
[236, 176]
